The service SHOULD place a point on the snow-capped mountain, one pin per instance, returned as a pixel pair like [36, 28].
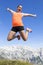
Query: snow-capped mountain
[22, 53]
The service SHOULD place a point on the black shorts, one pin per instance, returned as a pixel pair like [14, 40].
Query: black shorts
[17, 29]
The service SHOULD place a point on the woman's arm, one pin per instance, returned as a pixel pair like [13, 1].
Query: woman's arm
[33, 15]
[10, 10]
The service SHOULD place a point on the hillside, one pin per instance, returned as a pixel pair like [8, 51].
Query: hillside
[10, 62]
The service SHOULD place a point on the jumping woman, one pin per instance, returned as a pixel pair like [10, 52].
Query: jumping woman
[17, 24]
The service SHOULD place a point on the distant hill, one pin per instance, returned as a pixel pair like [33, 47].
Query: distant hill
[24, 53]
[10, 62]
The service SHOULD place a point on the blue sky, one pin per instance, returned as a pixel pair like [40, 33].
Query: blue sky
[35, 39]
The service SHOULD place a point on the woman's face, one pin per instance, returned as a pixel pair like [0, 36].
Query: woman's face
[19, 9]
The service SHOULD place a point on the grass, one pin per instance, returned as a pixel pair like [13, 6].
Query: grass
[13, 62]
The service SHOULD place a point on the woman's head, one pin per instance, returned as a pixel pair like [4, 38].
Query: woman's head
[19, 8]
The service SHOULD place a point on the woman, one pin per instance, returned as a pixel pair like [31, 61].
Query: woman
[17, 24]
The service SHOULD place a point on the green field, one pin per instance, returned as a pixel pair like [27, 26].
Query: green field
[13, 62]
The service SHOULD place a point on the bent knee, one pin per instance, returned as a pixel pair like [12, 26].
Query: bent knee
[9, 38]
[25, 39]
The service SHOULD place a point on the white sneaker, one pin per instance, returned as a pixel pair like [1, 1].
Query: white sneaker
[29, 30]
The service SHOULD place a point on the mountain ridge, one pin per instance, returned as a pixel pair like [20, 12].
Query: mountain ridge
[22, 53]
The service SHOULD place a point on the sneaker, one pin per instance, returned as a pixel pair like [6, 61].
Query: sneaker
[29, 30]
[18, 36]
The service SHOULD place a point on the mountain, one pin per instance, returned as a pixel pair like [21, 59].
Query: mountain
[22, 53]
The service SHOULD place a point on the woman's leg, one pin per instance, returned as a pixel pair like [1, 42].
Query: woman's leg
[24, 35]
[11, 35]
